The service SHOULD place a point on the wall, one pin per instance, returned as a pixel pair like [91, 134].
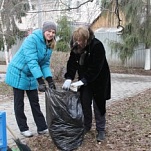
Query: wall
[108, 18]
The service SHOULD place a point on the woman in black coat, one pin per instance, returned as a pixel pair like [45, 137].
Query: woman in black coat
[88, 59]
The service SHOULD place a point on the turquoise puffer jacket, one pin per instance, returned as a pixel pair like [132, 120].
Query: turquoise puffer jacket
[30, 62]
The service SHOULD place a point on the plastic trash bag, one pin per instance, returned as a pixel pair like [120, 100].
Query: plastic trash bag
[64, 118]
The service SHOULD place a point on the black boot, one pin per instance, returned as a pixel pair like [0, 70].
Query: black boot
[100, 136]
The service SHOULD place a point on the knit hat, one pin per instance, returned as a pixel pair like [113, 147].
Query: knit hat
[48, 25]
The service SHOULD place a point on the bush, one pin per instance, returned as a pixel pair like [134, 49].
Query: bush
[62, 46]
[58, 64]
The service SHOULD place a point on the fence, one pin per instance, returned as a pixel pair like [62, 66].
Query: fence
[105, 35]
[110, 34]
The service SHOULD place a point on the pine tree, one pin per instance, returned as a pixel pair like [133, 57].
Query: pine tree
[64, 34]
[137, 30]
[12, 10]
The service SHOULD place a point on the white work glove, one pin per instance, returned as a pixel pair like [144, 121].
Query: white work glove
[77, 84]
[66, 84]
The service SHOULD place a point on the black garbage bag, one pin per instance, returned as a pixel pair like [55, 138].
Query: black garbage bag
[64, 118]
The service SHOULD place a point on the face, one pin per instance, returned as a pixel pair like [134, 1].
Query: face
[81, 45]
[49, 35]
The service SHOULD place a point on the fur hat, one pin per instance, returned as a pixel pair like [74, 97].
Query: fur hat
[48, 25]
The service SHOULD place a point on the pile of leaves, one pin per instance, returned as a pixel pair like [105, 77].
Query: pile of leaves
[127, 128]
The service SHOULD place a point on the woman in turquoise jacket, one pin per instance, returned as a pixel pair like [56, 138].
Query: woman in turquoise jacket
[26, 71]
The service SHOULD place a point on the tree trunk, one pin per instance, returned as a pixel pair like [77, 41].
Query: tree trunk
[4, 39]
[147, 59]
[10, 54]
[4, 42]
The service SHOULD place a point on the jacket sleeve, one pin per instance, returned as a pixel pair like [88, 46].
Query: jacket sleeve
[95, 64]
[31, 57]
[72, 66]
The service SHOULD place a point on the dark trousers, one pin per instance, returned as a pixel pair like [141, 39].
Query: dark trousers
[35, 108]
[87, 101]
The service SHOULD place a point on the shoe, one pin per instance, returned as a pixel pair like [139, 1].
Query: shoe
[27, 133]
[100, 136]
[43, 132]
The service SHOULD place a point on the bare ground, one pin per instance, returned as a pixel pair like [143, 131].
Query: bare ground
[127, 128]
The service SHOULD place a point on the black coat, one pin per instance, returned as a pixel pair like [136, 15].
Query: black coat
[93, 70]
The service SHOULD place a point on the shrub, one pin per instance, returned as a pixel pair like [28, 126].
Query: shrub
[62, 46]
[58, 64]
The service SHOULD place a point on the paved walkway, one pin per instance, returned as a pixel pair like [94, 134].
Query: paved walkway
[123, 86]
[2, 68]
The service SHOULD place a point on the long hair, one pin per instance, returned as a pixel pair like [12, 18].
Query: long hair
[51, 43]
